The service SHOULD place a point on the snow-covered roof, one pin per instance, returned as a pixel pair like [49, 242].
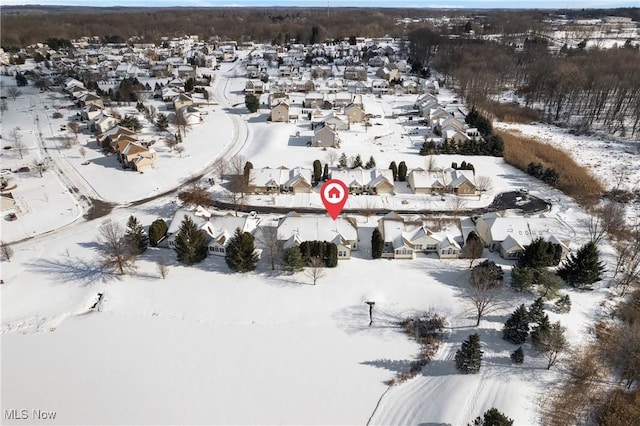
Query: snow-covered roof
[317, 228]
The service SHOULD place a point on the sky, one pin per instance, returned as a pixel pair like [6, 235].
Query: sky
[472, 4]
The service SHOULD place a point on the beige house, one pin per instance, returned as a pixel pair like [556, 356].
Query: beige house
[325, 136]
[272, 181]
[355, 113]
[280, 113]
[294, 229]
[366, 181]
[458, 182]
[181, 101]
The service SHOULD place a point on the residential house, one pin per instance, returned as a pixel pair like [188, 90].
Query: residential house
[90, 112]
[404, 237]
[255, 87]
[189, 114]
[103, 122]
[181, 101]
[108, 139]
[90, 99]
[358, 73]
[221, 230]
[458, 182]
[380, 87]
[366, 181]
[388, 72]
[314, 100]
[271, 181]
[294, 229]
[276, 97]
[354, 113]
[325, 136]
[509, 235]
[280, 113]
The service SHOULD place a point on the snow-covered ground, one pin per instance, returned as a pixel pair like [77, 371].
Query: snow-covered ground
[207, 346]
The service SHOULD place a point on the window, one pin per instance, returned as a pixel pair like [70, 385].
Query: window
[418, 246]
[342, 253]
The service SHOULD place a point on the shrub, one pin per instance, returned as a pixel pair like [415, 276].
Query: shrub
[517, 356]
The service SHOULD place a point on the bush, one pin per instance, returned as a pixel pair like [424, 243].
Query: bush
[517, 356]
[252, 102]
[57, 114]
[157, 232]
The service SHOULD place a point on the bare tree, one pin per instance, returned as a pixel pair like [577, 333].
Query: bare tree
[484, 183]
[595, 228]
[68, 142]
[4, 106]
[237, 191]
[431, 163]
[150, 112]
[552, 343]
[171, 141]
[181, 123]
[221, 166]
[268, 238]
[74, 127]
[162, 268]
[115, 113]
[472, 249]
[483, 288]
[82, 151]
[40, 166]
[6, 251]
[613, 218]
[114, 250]
[237, 165]
[627, 270]
[18, 144]
[13, 92]
[456, 205]
[332, 156]
[179, 149]
[315, 269]
[195, 195]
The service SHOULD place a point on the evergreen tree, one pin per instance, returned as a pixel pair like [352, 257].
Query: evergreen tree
[371, 163]
[540, 330]
[317, 171]
[583, 268]
[157, 231]
[492, 417]
[342, 161]
[248, 166]
[252, 102]
[241, 253]
[540, 253]
[292, 259]
[536, 311]
[402, 171]
[162, 122]
[325, 173]
[516, 329]
[131, 122]
[330, 255]
[135, 236]
[394, 170]
[563, 304]
[517, 356]
[190, 243]
[21, 80]
[521, 278]
[357, 162]
[469, 357]
[377, 244]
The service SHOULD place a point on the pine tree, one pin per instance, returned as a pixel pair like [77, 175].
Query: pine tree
[521, 278]
[157, 231]
[469, 357]
[402, 171]
[563, 304]
[292, 259]
[540, 253]
[540, 330]
[317, 171]
[325, 173]
[552, 342]
[190, 243]
[330, 255]
[536, 311]
[517, 356]
[516, 329]
[135, 236]
[377, 244]
[162, 122]
[241, 253]
[357, 162]
[492, 417]
[342, 161]
[583, 268]
[371, 163]
[394, 170]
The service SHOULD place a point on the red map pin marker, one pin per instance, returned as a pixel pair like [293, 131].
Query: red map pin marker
[334, 195]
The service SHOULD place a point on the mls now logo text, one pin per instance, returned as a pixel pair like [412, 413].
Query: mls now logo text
[17, 414]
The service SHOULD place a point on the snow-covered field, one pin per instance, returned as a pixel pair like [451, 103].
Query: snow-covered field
[207, 346]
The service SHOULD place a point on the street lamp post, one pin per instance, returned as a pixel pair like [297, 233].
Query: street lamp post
[370, 303]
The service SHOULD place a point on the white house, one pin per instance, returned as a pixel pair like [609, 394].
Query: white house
[343, 232]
